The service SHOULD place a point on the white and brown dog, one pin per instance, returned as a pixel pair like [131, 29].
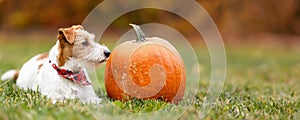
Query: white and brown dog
[61, 73]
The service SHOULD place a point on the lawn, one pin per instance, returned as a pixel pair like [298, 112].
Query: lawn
[261, 83]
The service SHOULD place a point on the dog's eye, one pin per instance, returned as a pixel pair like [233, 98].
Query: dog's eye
[85, 43]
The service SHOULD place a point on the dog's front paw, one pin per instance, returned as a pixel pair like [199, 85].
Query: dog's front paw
[94, 100]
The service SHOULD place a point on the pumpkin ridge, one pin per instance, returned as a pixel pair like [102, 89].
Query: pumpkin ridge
[165, 65]
[174, 76]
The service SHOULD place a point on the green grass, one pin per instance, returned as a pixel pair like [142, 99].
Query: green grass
[261, 83]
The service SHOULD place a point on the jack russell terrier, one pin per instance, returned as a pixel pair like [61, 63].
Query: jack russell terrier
[62, 73]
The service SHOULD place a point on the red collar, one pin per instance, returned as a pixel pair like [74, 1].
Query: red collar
[76, 77]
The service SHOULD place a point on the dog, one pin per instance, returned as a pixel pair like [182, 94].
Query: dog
[61, 74]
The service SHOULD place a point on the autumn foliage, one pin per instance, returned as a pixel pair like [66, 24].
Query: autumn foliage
[231, 16]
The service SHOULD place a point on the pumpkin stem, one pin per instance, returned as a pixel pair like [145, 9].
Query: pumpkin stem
[139, 33]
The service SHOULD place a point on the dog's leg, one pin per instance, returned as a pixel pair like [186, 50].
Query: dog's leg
[89, 96]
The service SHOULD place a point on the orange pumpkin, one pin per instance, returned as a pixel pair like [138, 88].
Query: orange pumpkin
[146, 68]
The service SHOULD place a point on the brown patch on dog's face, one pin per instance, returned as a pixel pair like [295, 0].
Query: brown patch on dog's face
[43, 56]
[66, 37]
[39, 67]
[65, 51]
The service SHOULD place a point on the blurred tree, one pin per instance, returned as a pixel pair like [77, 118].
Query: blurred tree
[248, 16]
[231, 16]
[18, 14]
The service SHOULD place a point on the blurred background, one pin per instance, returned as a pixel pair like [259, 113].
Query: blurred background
[237, 20]
[262, 39]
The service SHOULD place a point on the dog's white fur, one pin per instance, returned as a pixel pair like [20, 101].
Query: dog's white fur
[38, 73]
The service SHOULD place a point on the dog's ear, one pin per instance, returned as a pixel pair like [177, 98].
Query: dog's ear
[66, 34]
[77, 27]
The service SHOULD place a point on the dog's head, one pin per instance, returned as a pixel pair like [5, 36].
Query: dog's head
[78, 46]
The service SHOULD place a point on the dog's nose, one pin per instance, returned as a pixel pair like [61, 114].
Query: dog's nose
[106, 54]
